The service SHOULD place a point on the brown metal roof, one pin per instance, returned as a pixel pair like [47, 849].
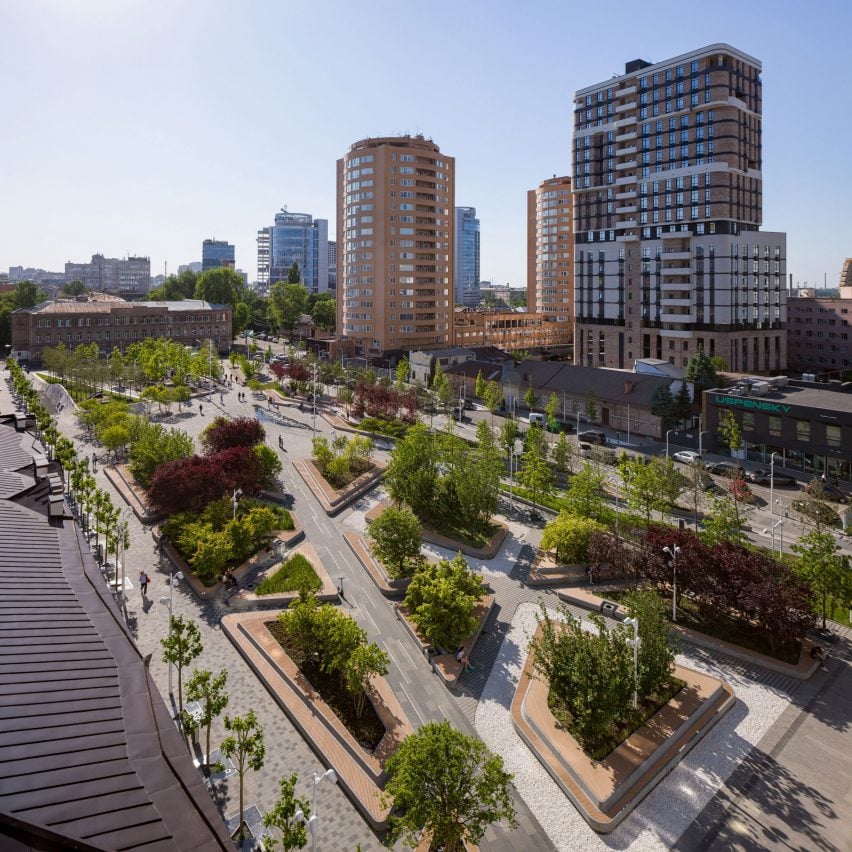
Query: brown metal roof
[88, 751]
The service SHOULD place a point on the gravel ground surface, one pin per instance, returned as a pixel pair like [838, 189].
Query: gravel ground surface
[667, 811]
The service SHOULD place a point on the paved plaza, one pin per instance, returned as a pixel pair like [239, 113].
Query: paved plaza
[785, 742]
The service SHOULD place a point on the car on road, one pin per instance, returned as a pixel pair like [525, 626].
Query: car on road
[725, 469]
[592, 437]
[818, 512]
[763, 476]
[819, 489]
[687, 457]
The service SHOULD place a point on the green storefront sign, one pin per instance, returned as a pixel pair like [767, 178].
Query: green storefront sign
[753, 404]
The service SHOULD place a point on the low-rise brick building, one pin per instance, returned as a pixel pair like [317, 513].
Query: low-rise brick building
[113, 323]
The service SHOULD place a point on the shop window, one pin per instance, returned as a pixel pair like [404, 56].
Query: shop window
[803, 430]
[832, 436]
[774, 426]
[748, 422]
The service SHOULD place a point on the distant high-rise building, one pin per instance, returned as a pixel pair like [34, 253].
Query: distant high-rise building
[550, 249]
[194, 266]
[216, 253]
[668, 202]
[294, 238]
[332, 265]
[845, 273]
[395, 204]
[466, 251]
[40, 276]
[128, 277]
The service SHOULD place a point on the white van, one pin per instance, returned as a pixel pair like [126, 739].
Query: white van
[536, 418]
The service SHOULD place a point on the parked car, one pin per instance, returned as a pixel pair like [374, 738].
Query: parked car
[818, 512]
[826, 491]
[726, 469]
[593, 437]
[763, 476]
[687, 457]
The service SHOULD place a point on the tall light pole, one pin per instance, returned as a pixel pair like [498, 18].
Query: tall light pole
[772, 483]
[700, 435]
[669, 432]
[174, 578]
[312, 822]
[770, 531]
[314, 415]
[634, 643]
[673, 552]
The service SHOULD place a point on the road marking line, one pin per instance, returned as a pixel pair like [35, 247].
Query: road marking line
[399, 667]
[412, 703]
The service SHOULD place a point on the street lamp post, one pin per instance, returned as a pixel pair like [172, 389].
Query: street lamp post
[772, 482]
[314, 414]
[700, 435]
[770, 531]
[634, 643]
[174, 578]
[312, 822]
[669, 432]
[673, 552]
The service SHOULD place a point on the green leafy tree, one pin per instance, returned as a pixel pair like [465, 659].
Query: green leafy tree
[492, 398]
[584, 496]
[479, 387]
[682, 403]
[824, 569]
[403, 369]
[509, 433]
[701, 371]
[651, 486]
[729, 431]
[73, 288]
[324, 314]
[724, 523]
[448, 784]
[531, 398]
[535, 473]
[441, 599]
[209, 692]
[563, 454]
[592, 406]
[154, 445]
[180, 647]
[26, 295]
[656, 649]
[364, 663]
[395, 536]
[568, 536]
[412, 474]
[663, 406]
[288, 300]
[552, 407]
[245, 744]
[282, 815]
[294, 274]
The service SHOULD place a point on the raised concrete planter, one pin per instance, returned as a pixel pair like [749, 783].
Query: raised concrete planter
[132, 493]
[388, 586]
[545, 572]
[360, 773]
[606, 791]
[249, 599]
[331, 499]
[287, 538]
[446, 666]
[802, 670]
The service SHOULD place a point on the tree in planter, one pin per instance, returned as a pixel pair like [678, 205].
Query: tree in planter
[447, 784]
[584, 496]
[153, 446]
[535, 473]
[294, 834]
[531, 398]
[364, 663]
[224, 433]
[552, 407]
[441, 598]
[656, 651]
[724, 523]
[509, 434]
[568, 535]
[395, 535]
[181, 647]
[412, 475]
[209, 691]
[651, 486]
[245, 743]
[563, 454]
[822, 567]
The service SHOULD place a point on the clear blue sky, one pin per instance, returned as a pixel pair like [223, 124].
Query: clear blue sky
[145, 126]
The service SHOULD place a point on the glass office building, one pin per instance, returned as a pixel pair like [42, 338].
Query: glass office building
[466, 253]
[216, 253]
[294, 238]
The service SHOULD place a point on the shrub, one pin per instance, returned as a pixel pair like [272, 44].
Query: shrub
[154, 445]
[224, 433]
[342, 460]
[295, 575]
[569, 536]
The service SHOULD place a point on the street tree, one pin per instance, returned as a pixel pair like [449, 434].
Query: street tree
[531, 398]
[592, 406]
[825, 570]
[403, 369]
[395, 537]
[585, 495]
[447, 784]
[282, 815]
[568, 536]
[535, 473]
[492, 398]
[651, 486]
[288, 300]
[682, 403]
[729, 431]
[509, 433]
[563, 454]
[364, 662]
[552, 407]
[724, 523]
[701, 371]
[412, 474]
[245, 744]
[180, 647]
[479, 387]
[209, 691]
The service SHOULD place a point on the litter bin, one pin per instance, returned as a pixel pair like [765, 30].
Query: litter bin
[609, 608]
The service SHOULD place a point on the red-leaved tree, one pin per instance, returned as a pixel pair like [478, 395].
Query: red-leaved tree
[224, 433]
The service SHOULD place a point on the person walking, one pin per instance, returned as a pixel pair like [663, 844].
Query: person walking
[144, 579]
[200, 409]
[280, 442]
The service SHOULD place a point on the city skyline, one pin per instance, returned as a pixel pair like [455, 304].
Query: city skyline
[150, 171]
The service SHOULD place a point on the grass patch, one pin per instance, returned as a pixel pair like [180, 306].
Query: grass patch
[367, 728]
[255, 385]
[622, 728]
[294, 575]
